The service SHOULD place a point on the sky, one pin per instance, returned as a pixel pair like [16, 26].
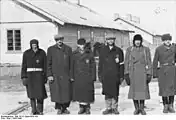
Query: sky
[157, 15]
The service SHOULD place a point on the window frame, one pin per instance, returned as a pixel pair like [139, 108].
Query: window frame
[14, 41]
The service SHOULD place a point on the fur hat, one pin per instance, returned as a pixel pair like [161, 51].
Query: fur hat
[34, 41]
[137, 37]
[166, 37]
[81, 41]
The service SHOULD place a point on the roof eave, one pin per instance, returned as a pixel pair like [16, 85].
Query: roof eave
[134, 26]
[38, 12]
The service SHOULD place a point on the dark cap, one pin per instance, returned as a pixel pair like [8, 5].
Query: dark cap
[81, 41]
[166, 37]
[58, 37]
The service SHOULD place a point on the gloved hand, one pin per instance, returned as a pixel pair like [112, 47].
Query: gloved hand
[25, 81]
[149, 78]
[50, 79]
[127, 79]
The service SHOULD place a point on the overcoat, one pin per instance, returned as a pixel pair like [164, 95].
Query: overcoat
[59, 66]
[84, 76]
[138, 65]
[165, 56]
[110, 71]
[36, 79]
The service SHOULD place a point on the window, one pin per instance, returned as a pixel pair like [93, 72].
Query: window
[13, 40]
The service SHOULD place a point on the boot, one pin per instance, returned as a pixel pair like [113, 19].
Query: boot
[171, 108]
[136, 105]
[59, 111]
[58, 106]
[82, 109]
[87, 109]
[165, 110]
[64, 109]
[33, 106]
[115, 111]
[107, 111]
[40, 107]
[171, 104]
[142, 107]
[165, 103]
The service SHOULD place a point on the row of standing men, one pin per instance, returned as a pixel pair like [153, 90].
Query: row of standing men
[71, 75]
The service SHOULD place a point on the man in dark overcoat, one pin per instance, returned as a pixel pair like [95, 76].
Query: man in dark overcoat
[59, 58]
[84, 76]
[165, 56]
[111, 65]
[33, 75]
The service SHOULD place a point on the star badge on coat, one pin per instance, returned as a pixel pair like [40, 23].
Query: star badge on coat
[87, 61]
[37, 61]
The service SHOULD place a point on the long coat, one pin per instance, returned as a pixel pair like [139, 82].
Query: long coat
[138, 65]
[35, 80]
[166, 74]
[59, 66]
[110, 71]
[84, 76]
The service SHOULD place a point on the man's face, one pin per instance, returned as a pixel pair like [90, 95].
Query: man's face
[167, 42]
[137, 43]
[34, 47]
[81, 47]
[59, 41]
[110, 42]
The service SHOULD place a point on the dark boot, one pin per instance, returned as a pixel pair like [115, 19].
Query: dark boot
[87, 109]
[59, 111]
[136, 105]
[40, 107]
[165, 110]
[165, 103]
[64, 109]
[33, 106]
[59, 108]
[82, 109]
[142, 107]
[171, 104]
[107, 111]
[115, 111]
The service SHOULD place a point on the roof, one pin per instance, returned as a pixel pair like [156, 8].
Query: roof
[139, 26]
[62, 12]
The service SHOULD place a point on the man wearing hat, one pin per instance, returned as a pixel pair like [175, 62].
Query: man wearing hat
[59, 58]
[165, 56]
[138, 73]
[33, 75]
[84, 76]
[111, 73]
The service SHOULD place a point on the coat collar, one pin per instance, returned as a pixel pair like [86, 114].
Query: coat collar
[113, 48]
[62, 48]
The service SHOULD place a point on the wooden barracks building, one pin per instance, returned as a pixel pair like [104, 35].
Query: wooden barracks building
[23, 20]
